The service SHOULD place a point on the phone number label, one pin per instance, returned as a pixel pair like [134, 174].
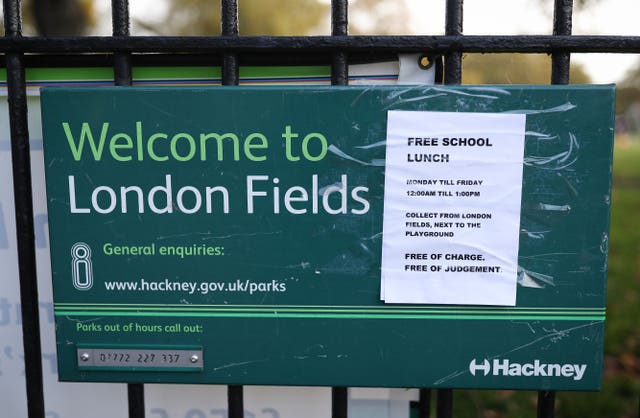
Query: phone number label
[135, 359]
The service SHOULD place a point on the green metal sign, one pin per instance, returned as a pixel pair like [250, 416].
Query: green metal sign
[246, 235]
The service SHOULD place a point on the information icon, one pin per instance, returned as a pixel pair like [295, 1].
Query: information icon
[81, 269]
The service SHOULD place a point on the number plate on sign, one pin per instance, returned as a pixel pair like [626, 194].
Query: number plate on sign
[135, 359]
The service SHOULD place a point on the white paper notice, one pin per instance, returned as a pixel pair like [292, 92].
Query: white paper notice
[453, 185]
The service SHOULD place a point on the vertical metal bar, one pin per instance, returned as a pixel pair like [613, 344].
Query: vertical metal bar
[122, 77]
[339, 77]
[339, 27]
[12, 18]
[560, 69]
[339, 402]
[453, 27]
[229, 23]
[452, 75]
[235, 401]
[121, 60]
[231, 77]
[561, 61]
[135, 395]
[546, 404]
[424, 403]
[25, 236]
[444, 403]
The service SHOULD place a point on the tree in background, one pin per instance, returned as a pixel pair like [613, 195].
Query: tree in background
[628, 101]
[58, 17]
[514, 69]
[202, 17]
[256, 17]
[280, 17]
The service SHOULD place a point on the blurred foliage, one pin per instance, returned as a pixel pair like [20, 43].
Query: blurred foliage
[514, 69]
[628, 99]
[628, 96]
[281, 17]
[256, 17]
[58, 17]
[632, 78]
[202, 17]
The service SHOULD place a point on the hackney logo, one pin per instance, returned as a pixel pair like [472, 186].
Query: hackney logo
[505, 367]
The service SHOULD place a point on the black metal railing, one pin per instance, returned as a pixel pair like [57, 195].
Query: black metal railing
[230, 50]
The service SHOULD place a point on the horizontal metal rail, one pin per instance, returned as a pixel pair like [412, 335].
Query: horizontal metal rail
[328, 44]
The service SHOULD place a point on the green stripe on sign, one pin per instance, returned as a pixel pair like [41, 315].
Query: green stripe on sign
[333, 309]
[331, 315]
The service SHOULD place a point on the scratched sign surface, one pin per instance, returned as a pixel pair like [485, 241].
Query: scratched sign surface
[234, 236]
